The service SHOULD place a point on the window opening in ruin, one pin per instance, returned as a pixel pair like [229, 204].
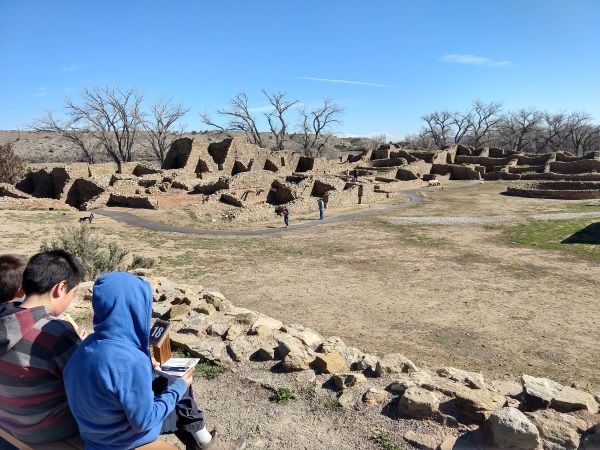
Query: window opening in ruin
[269, 165]
[201, 167]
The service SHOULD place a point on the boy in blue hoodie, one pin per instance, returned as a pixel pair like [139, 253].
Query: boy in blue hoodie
[109, 378]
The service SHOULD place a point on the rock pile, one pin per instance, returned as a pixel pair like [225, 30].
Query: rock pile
[533, 414]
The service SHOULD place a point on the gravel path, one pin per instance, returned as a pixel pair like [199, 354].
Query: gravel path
[413, 195]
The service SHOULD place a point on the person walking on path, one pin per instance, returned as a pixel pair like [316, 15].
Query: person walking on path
[321, 204]
[286, 216]
[356, 174]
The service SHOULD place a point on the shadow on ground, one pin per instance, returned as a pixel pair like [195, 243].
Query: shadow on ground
[587, 235]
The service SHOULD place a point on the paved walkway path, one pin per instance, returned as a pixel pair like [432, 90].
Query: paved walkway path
[140, 222]
[413, 198]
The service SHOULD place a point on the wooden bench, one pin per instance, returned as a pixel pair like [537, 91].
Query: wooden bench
[74, 443]
[434, 182]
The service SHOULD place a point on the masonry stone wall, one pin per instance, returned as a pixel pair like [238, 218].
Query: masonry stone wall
[564, 190]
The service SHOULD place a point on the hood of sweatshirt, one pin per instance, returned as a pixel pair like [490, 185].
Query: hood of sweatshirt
[122, 306]
[16, 321]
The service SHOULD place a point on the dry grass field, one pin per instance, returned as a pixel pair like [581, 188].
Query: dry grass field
[504, 298]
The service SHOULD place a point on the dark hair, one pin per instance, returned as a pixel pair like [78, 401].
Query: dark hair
[47, 269]
[11, 275]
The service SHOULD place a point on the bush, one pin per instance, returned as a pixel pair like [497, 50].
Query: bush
[283, 396]
[385, 442]
[11, 166]
[209, 371]
[97, 256]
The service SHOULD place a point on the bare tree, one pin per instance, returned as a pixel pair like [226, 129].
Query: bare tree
[482, 120]
[240, 119]
[580, 130]
[69, 131]
[107, 118]
[379, 140]
[460, 123]
[422, 140]
[276, 119]
[160, 126]
[554, 134]
[315, 126]
[439, 126]
[517, 129]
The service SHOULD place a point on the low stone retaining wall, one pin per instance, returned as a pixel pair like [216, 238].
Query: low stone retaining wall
[564, 190]
[533, 413]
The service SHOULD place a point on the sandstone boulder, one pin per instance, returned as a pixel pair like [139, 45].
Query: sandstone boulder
[161, 310]
[539, 392]
[346, 400]
[422, 441]
[310, 338]
[217, 329]
[215, 298]
[346, 380]
[511, 428]
[213, 350]
[267, 322]
[204, 308]
[179, 311]
[242, 348]
[417, 378]
[478, 404]
[234, 331]
[296, 360]
[330, 363]
[569, 399]
[333, 345]
[418, 403]
[555, 431]
[374, 397]
[470, 379]
[394, 363]
[367, 362]
[286, 346]
[261, 331]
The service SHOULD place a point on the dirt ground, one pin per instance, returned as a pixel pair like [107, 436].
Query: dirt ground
[441, 295]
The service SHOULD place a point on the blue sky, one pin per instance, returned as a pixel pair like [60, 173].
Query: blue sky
[385, 62]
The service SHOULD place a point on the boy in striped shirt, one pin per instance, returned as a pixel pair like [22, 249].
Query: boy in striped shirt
[34, 349]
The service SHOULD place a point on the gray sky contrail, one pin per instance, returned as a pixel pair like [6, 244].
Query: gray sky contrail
[347, 82]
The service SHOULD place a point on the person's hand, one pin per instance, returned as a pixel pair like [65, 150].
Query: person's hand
[188, 377]
[155, 363]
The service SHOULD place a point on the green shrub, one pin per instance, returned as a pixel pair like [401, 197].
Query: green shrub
[96, 255]
[283, 396]
[208, 370]
[385, 442]
[11, 166]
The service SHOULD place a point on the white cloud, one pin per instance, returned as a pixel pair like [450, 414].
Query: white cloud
[41, 91]
[473, 60]
[69, 68]
[347, 82]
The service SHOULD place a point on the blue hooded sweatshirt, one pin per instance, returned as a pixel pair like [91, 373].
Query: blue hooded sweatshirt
[109, 377]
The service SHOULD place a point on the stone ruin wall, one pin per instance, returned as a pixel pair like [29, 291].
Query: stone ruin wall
[243, 175]
[563, 190]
